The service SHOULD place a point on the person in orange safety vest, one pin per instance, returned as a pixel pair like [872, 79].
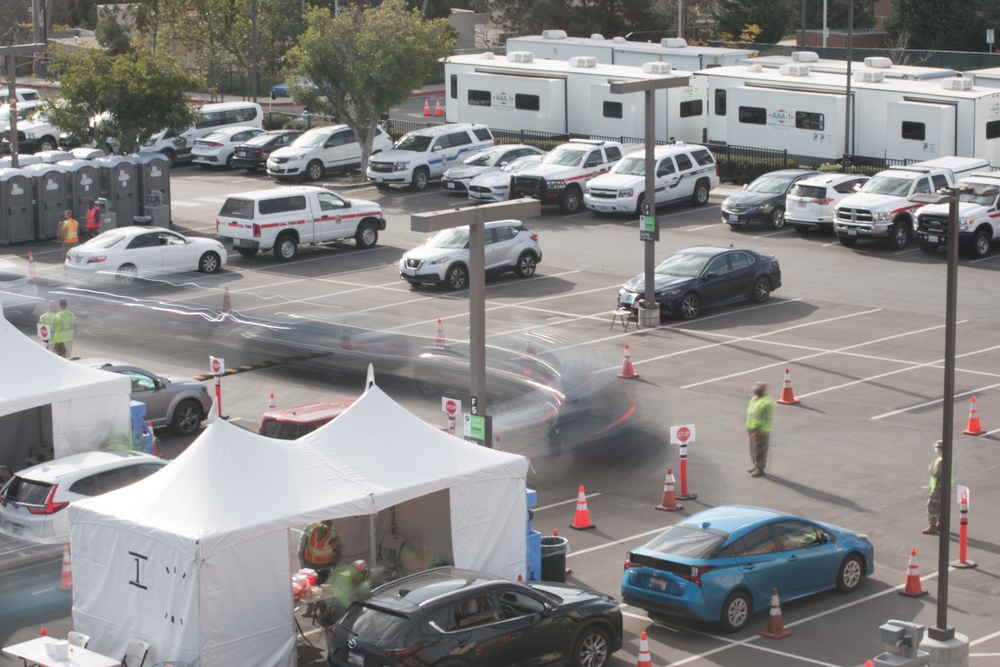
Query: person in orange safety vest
[93, 219]
[320, 547]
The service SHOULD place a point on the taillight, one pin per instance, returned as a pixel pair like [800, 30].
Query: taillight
[49, 507]
[213, 144]
[399, 653]
[822, 202]
[95, 260]
[534, 236]
[696, 574]
[629, 563]
[256, 231]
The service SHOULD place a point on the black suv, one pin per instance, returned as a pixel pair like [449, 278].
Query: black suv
[460, 617]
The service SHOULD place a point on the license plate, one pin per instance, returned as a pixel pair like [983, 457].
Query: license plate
[408, 271]
[852, 232]
[657, 584]
[800, 204]
[733, 217]
[237, 242]
[355, 659]
[450, 186]
[932, 239]
[17, 529]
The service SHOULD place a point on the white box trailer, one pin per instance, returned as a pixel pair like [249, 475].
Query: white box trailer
[569, 97]
[879, 63]
[556, 45]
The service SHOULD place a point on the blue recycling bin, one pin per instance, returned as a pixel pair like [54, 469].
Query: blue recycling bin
[534, 559]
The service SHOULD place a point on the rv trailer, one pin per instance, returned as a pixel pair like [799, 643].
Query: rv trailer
[882, 64]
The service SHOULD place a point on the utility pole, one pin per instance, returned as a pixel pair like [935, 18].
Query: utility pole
[11, 52]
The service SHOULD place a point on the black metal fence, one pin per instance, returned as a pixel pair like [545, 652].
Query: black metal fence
[866, 164]
[742, 164]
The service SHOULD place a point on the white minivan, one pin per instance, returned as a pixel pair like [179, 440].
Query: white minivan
[320, 151]
[177, 144]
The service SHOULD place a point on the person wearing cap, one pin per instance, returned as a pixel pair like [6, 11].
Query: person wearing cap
[760, 413]
[934, 498]
[63, 329]
[347, 584]
[319, 548]
[49, 319]
[93, 219]
[68, 232]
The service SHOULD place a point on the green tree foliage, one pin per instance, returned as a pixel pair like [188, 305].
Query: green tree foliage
[112, 35]
[127, 97]
[943, 25]
[773, 17]
[365, 62]
[579, 18]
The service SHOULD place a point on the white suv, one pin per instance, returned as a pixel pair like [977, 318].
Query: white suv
[682, 172]
[425, 154]
[322, 150]
[812, 202]
[444, 259]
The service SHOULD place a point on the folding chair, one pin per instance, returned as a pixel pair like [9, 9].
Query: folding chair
[78, 639]
[135, 654]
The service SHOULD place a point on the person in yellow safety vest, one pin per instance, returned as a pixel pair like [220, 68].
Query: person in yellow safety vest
[760, 413]
[320, 547]
[63, 330]
[346, 584]
[934, 498]
[93, 219]
[67, 232]
[49, 319]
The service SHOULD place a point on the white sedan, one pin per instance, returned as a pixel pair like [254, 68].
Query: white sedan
[127, 253]
[218, 149]
[495, 185]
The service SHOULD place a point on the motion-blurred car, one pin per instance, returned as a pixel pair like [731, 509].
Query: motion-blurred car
[763, 200]
[444, 258]
[705, 276]
[295, 422]
[812, 201]
[33, 500]
[252, 154]
[18, 291]
[722, 564]
[448, 616]
[216, 149]
[456, 179]
[180, 403]
[127, 253]
[495, 185]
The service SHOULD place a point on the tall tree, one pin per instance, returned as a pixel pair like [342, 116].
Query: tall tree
[773, 17]
[942, 25]
[127, 97]
[365, 62]
[579, 18]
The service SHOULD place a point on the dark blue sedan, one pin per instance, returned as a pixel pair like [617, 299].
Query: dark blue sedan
[722, 564]
[705, 276]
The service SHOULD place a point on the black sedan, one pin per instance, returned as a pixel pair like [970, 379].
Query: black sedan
[763, 200]
[252, 154]
[705, 276]
[452, 616]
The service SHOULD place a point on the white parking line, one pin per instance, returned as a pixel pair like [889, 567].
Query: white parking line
[934, 402]
[565, 502]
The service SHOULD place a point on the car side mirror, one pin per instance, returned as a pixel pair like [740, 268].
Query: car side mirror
[711, 275]
[745, 186]
[857, 187]
[435, 149]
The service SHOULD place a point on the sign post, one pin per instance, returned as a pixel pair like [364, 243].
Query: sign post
[682, 435]
[217, 367]
[989, 40]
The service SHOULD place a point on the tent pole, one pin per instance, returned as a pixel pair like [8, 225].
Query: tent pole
[374, 553]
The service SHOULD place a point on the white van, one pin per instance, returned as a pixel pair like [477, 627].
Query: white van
[213, 117]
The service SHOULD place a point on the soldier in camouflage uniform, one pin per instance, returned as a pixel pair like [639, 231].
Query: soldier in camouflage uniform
[934, 499]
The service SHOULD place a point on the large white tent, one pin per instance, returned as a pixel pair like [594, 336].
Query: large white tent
[44, 397]
[196, 558]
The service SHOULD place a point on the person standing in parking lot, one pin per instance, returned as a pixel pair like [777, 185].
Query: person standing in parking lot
[934, 498]
[63, 330]
[68, 232]
[760, 413]
[93, 219]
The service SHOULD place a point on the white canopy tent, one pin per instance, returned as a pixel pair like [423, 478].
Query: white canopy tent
[45, 398]
[196, 558]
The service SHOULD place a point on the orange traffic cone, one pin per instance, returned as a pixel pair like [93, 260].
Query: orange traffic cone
[32, 273]
[437, 108]
[582, 519]
[644, 659]
[627, 371]
[270, 403]
[439, 340]
[669, 502]
[974, 428]
[66, 580]
[427, 107]
[787, 396]
[520, 577]
[45, 633]
[912, 586]
[775, 626]
[529, 345]
[156, 441]
[227, 305]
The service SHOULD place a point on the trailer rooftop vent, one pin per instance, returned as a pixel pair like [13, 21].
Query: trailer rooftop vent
[553, 34]
[656, 67]
[597, 37]
[805, 56]
[583, 61]
[673, 42]
[755, 67]
[618, 40]
[793, 69]
[956, 83]
[869, 76]
[486, 55]
[878, 61]
[520, 57]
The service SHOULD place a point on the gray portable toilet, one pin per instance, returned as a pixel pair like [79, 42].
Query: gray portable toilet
[86, 153]
[154, 188]
[17, 216]
[83, 183]
[54, 156]
[6, 162]
[120, 186]
[48, 183]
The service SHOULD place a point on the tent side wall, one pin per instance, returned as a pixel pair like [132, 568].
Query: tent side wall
[489, 526]
[82, 423]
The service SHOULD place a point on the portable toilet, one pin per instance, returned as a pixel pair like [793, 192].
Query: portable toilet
[87, 153]
[154, 188]
[7, 162]
[120, 186]
[82, 184]
[48, 183]
[54, 156]
[17, 221]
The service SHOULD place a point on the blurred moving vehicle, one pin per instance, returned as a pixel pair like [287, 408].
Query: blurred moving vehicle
[33, 500]
[180, 403]
[128, 253]
[295, 422]
[811, 203]
[763, 200]
[705, 276]
[18, 292]
[457, 178]
[495, 185]
[253, 153]
[448, 616]
[216, 149]
[722, 564]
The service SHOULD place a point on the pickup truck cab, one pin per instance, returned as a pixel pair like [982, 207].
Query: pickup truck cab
[978, 217]
[34, 134]
[281, 219]
[562, 175]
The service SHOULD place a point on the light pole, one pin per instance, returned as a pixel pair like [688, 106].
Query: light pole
[11, 52]
[253, 49]
[847, 101]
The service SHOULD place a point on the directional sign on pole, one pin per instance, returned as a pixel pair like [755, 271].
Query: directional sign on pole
[682, 435]
[989, 36]
[648, 231]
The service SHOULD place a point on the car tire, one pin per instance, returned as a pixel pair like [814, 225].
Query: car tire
[209, 263]
[778, 217]
[847, 241]
[526, 265]
[761, 290]
[850, 573]
[592, 647]
[186, 418]
[980, 246]
[314, 171]
[570, 201]
[700, 195]
[928, 247]
[366, 236]
[247, 252]
[421, 177]
[899, 236]
[46, 144]
[457, 277]
[285, 248]
[689, 307]
[638, 204]
[231, 161]
[736, 611]
[126, 274]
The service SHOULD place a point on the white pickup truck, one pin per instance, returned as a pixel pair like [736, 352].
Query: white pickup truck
[882, 209]
[978, 217]
[281, 219]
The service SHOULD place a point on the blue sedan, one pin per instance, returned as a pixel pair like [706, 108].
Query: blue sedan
[722, 564]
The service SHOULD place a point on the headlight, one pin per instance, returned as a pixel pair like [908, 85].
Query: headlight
[627, 192]
[435, 262]
[30, 135]
[766, 208]
[670, 292]
[446, 174]
[966, 223]
[881, 217]
[400, 166]
[555, 184]
[295, 158]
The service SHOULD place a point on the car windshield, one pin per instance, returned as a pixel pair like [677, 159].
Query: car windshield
[630, 166]
[770, 184]
[311, 140]
[976, 196]
[413, 142]
[455, 238]
[687, 541]
[683, 264]
[260, 139]
[484, 159]
[375, 625]
[565, 156]
[888, 185]
[105, 240]
[518, 165]
[216, 136]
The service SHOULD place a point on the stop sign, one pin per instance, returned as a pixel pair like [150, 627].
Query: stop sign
[683, 433]
[450, 407]
[216, 366]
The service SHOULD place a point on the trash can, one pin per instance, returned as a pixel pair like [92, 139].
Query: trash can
[554, 549]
